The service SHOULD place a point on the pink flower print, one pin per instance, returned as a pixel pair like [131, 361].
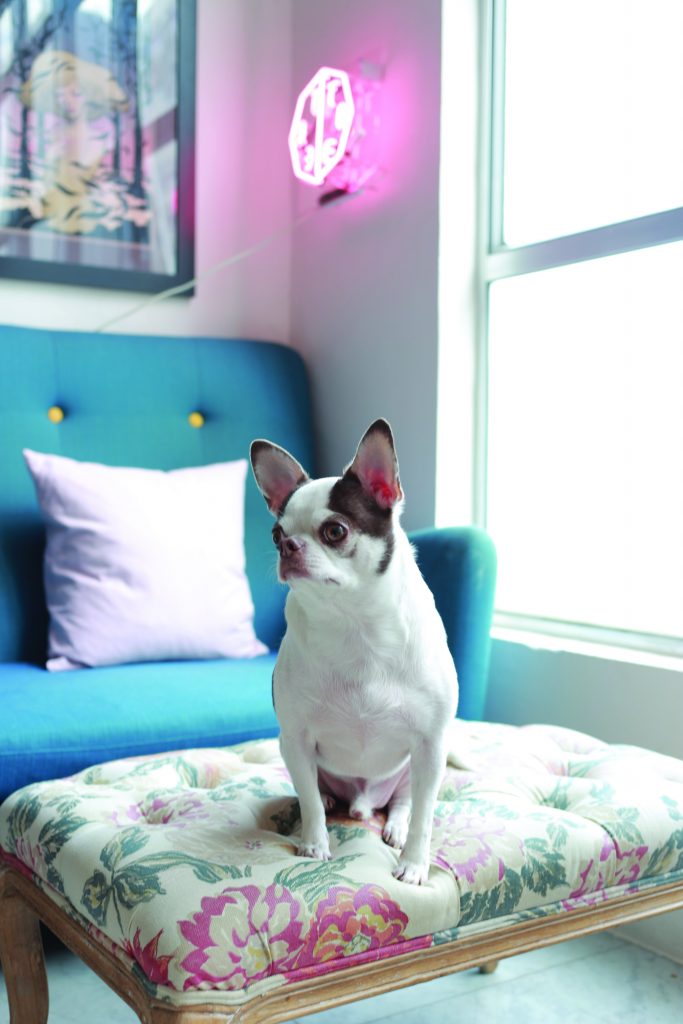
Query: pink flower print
[154, 966]
[123, 819]
[585, 885]
[349, 922]
[32, 856]
[629, 863]
[177, 810]
[241, 936]
[465, 846]
[616, 866]
[607, 847]
[209, 774]
[590, 900]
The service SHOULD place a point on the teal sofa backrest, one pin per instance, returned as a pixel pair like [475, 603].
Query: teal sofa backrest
[126, 400]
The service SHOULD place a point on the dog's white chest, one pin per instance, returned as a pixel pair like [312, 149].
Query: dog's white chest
[359, 728]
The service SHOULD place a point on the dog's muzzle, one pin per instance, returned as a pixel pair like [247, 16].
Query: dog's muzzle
[292, 559]
[290, 546]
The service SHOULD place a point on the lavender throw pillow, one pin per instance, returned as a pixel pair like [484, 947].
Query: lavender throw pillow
[144, 565]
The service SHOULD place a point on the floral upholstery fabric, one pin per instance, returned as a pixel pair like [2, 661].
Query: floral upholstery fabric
[184, 864]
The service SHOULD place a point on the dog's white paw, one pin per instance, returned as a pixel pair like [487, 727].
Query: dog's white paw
[319, 850]
[409, 871]
[395, 833]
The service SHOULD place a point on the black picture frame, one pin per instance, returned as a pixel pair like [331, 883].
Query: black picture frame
[97, 142]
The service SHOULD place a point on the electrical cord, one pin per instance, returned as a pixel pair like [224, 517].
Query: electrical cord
[229, 261]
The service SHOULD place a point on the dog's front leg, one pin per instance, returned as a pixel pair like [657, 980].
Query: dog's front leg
[427, 763]
[298, 751]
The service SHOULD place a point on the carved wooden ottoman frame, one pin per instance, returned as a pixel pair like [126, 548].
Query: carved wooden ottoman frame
[23, 905]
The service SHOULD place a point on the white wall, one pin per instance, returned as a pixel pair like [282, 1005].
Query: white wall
[364, 273]
[243, 193]
[615, 700]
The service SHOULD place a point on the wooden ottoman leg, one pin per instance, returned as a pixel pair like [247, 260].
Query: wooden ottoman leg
[488, 968]
[21, 954]
[166, 1015]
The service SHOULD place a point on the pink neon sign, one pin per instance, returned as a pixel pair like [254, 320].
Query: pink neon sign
[321, 125]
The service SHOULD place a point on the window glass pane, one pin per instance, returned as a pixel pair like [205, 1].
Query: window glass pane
[585, 470]
[593, 114]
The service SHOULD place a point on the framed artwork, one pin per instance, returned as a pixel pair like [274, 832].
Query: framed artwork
[97, 142]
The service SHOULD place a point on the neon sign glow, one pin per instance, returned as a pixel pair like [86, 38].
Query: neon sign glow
[321, 125]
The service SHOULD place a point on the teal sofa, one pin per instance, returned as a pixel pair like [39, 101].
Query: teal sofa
[126, 401]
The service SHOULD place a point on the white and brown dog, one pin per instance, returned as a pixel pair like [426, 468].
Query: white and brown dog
[364, 685]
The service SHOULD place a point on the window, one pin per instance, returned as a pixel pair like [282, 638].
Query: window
[581, 326]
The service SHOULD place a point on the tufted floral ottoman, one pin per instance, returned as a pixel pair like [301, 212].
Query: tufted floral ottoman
[175, 877]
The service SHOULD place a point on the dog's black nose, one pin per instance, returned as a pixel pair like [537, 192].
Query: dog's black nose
[289, 546]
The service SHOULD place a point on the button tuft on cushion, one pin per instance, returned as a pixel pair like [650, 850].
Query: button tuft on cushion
[55, 414]
[186, 862]
[196, 419]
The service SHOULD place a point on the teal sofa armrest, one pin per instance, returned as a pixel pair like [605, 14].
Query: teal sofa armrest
[459, 566]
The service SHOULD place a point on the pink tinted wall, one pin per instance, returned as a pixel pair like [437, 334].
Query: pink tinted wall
[364, 272]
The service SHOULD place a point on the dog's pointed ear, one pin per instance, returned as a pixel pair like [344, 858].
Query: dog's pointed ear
[277, 473]
[376, 466]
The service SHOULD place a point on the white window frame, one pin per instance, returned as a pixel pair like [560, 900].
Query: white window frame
[496, 261]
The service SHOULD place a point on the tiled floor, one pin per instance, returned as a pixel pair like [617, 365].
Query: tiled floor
[597, 979]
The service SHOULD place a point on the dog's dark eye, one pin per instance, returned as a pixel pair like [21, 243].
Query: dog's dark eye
[333, 533]
[277, 535]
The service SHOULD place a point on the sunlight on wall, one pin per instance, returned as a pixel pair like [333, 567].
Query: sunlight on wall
[457, 256]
